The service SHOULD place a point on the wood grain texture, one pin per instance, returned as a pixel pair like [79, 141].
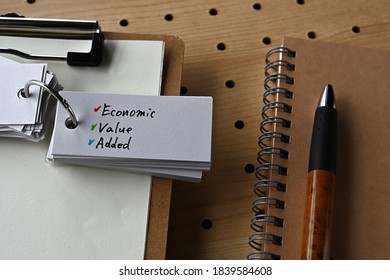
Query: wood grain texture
[246, 29]
[317, 222]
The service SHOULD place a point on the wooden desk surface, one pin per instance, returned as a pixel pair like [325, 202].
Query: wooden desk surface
[225, 46]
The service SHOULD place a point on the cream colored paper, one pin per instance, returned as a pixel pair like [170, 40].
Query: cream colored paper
[67, 212]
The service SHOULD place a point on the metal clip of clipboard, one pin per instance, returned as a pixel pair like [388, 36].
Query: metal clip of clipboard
[14, 25]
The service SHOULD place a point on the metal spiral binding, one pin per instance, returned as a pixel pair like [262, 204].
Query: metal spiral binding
[267, 150]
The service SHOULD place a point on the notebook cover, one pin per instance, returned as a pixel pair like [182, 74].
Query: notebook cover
[361, 83]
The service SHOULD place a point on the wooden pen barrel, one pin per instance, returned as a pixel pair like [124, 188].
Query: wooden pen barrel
[318, 215]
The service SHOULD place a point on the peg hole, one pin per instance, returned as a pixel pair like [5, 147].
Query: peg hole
[230, 84]
[239, 124]
[356, 29]
[207, 224]
[249, 168]
[213, 12]
[124, 22]
[221, 46]
[257, 6]
[183, 90]
[311, 35]
[266, 40]
[168, 17]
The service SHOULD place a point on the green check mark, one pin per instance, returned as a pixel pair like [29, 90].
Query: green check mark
[93, 126]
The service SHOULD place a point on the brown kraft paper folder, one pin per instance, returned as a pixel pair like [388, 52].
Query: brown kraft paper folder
[361, 213]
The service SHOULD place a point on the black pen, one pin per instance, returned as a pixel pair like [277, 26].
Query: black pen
[320, 180]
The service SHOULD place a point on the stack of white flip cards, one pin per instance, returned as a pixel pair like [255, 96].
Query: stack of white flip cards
[168, 136]
[25, 117]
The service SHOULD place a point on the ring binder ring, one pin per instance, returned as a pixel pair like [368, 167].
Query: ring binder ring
[273, 120]
[272, 135]
[259, 255]
[263, 236]
[278, 50]
[278, 63]
[261, 201]
[275, 105]
[261, 185]
[274, 91]
[263, 188]
[25, 92]
[268, 151]
[265, 218]
[277, 77]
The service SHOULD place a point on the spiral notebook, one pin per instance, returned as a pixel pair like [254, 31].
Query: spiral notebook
[295, 76]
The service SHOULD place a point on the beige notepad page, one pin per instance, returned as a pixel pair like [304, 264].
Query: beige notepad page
[67, 212]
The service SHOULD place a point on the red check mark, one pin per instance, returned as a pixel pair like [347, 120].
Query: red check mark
[97, 108]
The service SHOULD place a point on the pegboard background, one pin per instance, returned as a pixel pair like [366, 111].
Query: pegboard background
[224, 57]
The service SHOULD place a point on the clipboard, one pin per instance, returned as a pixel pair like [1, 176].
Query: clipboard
[12, 24]
[161, 188]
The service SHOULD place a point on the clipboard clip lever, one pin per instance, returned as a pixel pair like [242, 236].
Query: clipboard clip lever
[14, 25]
